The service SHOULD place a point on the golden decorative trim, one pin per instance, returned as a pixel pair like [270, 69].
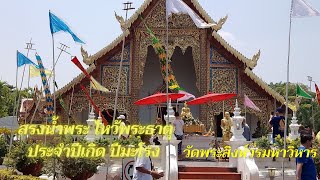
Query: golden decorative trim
[264, 86]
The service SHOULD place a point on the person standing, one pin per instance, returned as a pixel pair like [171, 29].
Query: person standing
[178, 132]
[246, 130]
[275, 122]
[143, 166]
[122, 135]
[306, 169]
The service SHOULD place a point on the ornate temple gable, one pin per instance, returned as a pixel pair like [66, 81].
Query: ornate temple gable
[217, 58]
[248, 91]
[223, 80]
[156, 18]
[109, 78]
[117, 57]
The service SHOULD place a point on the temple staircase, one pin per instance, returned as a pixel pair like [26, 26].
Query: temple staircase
[215, 173]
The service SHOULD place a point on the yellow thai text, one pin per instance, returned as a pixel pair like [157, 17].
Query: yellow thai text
[226, 152]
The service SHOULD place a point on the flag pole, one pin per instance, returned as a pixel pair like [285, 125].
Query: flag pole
[167, 79]
[29, 47]
[287, 87]
[14, 108]
[54, 76]
[127, 7]
[70, 105]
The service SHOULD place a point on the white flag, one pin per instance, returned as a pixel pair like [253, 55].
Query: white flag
[301, 8]
[178, 6]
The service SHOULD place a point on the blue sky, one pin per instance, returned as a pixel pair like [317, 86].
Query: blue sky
[252, 25]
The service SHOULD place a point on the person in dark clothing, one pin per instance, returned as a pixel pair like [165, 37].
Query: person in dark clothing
[275, 122]
[306, 169]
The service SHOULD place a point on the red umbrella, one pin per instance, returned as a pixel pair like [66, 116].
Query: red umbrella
[211, 97]
[158, 98]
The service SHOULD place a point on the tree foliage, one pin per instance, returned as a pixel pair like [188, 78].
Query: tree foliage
[308, 109]
[8, 96]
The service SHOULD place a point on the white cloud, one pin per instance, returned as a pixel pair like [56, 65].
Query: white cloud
[227, 36]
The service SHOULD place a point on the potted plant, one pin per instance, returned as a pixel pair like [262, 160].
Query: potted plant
[80, 168]
[3, 148]
[27, 165]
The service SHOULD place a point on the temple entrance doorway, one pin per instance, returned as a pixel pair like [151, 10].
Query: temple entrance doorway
[184, 71]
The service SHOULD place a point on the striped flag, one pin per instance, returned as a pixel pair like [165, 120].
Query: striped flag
[46, 88]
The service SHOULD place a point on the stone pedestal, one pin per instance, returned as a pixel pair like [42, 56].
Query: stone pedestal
[294, 127]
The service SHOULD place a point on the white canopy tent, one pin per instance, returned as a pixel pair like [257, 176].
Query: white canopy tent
[9, 122]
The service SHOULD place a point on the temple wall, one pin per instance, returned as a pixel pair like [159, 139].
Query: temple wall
[225, 78]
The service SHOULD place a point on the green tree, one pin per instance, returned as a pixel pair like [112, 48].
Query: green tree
[8, 96]
[304, 113]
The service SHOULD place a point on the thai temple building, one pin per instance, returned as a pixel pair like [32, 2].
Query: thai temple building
[202, 62]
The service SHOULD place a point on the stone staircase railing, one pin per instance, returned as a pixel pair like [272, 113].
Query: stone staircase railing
[247, 166]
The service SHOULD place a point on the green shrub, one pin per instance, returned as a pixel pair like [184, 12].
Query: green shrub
[132, 140]
[3, 146]
[12, 175]
[263, 143]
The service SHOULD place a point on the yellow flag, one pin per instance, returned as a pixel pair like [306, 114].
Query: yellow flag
[97, 86]
[292, 106]
[34, 72]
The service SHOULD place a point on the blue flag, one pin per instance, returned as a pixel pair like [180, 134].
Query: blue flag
[22, 60]
[56, 25]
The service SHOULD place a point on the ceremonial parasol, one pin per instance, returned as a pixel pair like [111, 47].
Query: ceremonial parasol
[211, 97]
[158, 98]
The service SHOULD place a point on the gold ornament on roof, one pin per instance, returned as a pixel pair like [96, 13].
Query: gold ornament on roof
[254, 60]
[220, 23]
[121, 21]
[86, 57]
